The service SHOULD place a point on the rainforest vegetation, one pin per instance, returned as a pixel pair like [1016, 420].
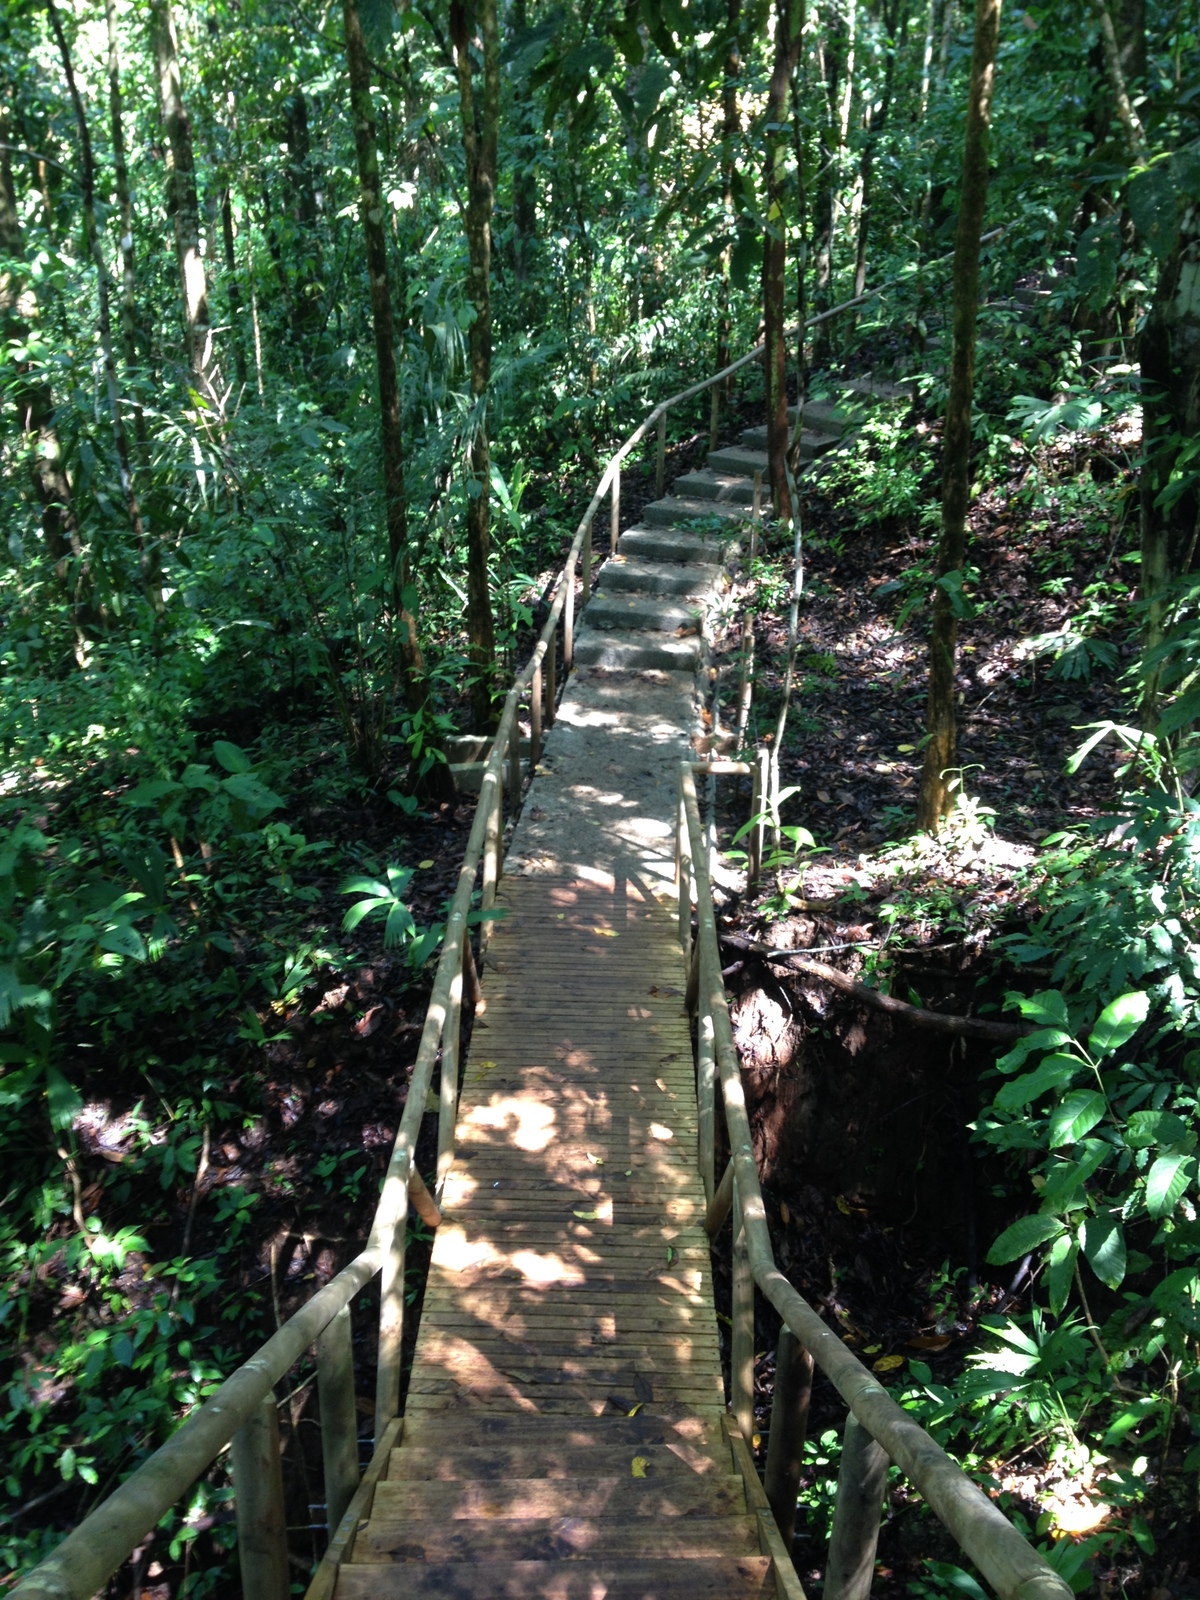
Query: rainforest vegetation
[318, 320]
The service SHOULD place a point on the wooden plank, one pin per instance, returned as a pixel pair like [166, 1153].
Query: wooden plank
[525, 1498]
[710, 1579]
[542, 1459]
[577, 1539]
[342, 1545]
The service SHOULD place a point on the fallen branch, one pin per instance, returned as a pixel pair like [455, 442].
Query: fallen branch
[917, 1016]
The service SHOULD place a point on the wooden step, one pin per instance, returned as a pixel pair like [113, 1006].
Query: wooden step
[526, 1498]
[544, 1460]
[475, 1429]
[567, 1539]
[711, 1578]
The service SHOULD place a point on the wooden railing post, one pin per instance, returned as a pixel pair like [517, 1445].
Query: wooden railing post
[448, 1093]
[741, 1361]
[660, 459]
[614, 532]
[714, 418]
[391, 1322]
[535, 717]
[585, 576]
[514, 764]
[857, 1511]
[683, 882]
[258, 1491]
[339, 1417]
[493, 830]
[706, 1095]
[789, 1427]
[551, 677]
[758, 802]
[569, 618]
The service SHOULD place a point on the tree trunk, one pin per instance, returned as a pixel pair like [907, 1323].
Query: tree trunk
[474, 23]
[801, 237]
[233, 290]
[182, 204]
[941, 749]
[391, 436]
[825, 189]
[148, 566]
[306, 313]
[124, 196]
[34, 401]
[874, 134]
[1170, 362]
[731, 128]
[1131, 127]
[524, 180]
[789, 26]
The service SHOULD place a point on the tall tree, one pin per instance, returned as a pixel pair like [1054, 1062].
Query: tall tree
[124, 194]
[731, 130]
[941, 748]
[370, 207]
[182, 204]
[475, 35]
[789, 28]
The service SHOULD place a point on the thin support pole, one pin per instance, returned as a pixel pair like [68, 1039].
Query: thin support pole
[339, 1417]
[741, 1363]
[514, 765]
[857, 1512]
[754, 839]
[615, 526]
[473, 993]
[585, 576]
[691, 993]
[391, 1322]
[258, 1491]
[660, 459]
[706, 1093]
[491, 863]
[714, 418]
[756, 517]
[448, 1093]
[551, 678]
[569, 619]
[718, 1206]
[789, 1427]
[683, 881]
[535, 717]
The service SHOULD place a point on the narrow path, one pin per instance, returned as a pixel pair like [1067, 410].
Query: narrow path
[565, 1432]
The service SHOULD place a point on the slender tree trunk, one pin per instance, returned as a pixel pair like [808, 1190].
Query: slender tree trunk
[1131, 127]
[825, 188]
[1170, 362]
[799, 142]
[32, 395]
[874, 134]
[524, 180]
[233, 290]
[731, 128]
[124, 195]
[789, 26]
[306, 313]
[473, 23]
[148, 566]
[391, 435]
[182, 204]
[941, 749]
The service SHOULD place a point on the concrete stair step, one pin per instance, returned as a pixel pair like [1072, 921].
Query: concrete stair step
[711, 1578]
[672, 546]
[709, 485]
[678, 508]
[626, 573]
[643, 612]
[738, 461]
[635, 652]
[812, 444]
[822, 416]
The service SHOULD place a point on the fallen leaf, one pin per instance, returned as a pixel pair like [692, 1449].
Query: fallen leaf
[784, 1214]
[368, 1022]
[597, 1161]
[930, 1341]
[906, 749]
[670, 1254]
[422, 865]
[842, 1206]
[659, 1084]
[605, 933]
[755, 1440]
[664, 989]
[482, 1068]
[887, 1364]
[629, 1174]
[633, 1410]
[638, 1466]
[823, 794]
[586, 1216]
[561, 915]
[872, 1350]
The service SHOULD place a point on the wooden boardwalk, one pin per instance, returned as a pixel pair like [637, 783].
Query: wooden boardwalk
[565, 1433]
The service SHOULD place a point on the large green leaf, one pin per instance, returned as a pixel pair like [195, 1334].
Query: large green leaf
[1023, 1237]
[1104, 1248]
[1118, 1023]
[1062, 1267]
[1166, 1182]
[231, 757]
[1154, 207]
[1075, 1116]
[1054, 1072]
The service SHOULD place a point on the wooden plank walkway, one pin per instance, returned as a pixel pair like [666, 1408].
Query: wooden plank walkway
[564, 1433]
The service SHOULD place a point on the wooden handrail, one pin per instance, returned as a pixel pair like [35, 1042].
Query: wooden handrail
[1006, 1559]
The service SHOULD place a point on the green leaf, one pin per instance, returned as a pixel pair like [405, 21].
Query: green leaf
[1023, 1237]
[399, 926]
[231, 758]
[1146, 1128]
[1078, 1113]
[1166, 1182]
[1118, 1023]
[1104, 1249]
[1054, 1072]
[1063, 1252]
[1154, 206]
[956, 1578]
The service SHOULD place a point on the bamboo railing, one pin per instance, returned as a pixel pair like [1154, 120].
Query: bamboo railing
[877, 1429]
[242, 1414]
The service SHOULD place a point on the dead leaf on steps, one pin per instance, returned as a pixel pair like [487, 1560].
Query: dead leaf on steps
[638, 1466]
[369, 1021]
[784, 1213]
[887, 1364]
[930, 1341]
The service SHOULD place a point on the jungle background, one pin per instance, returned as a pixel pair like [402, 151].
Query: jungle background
[318, 323]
